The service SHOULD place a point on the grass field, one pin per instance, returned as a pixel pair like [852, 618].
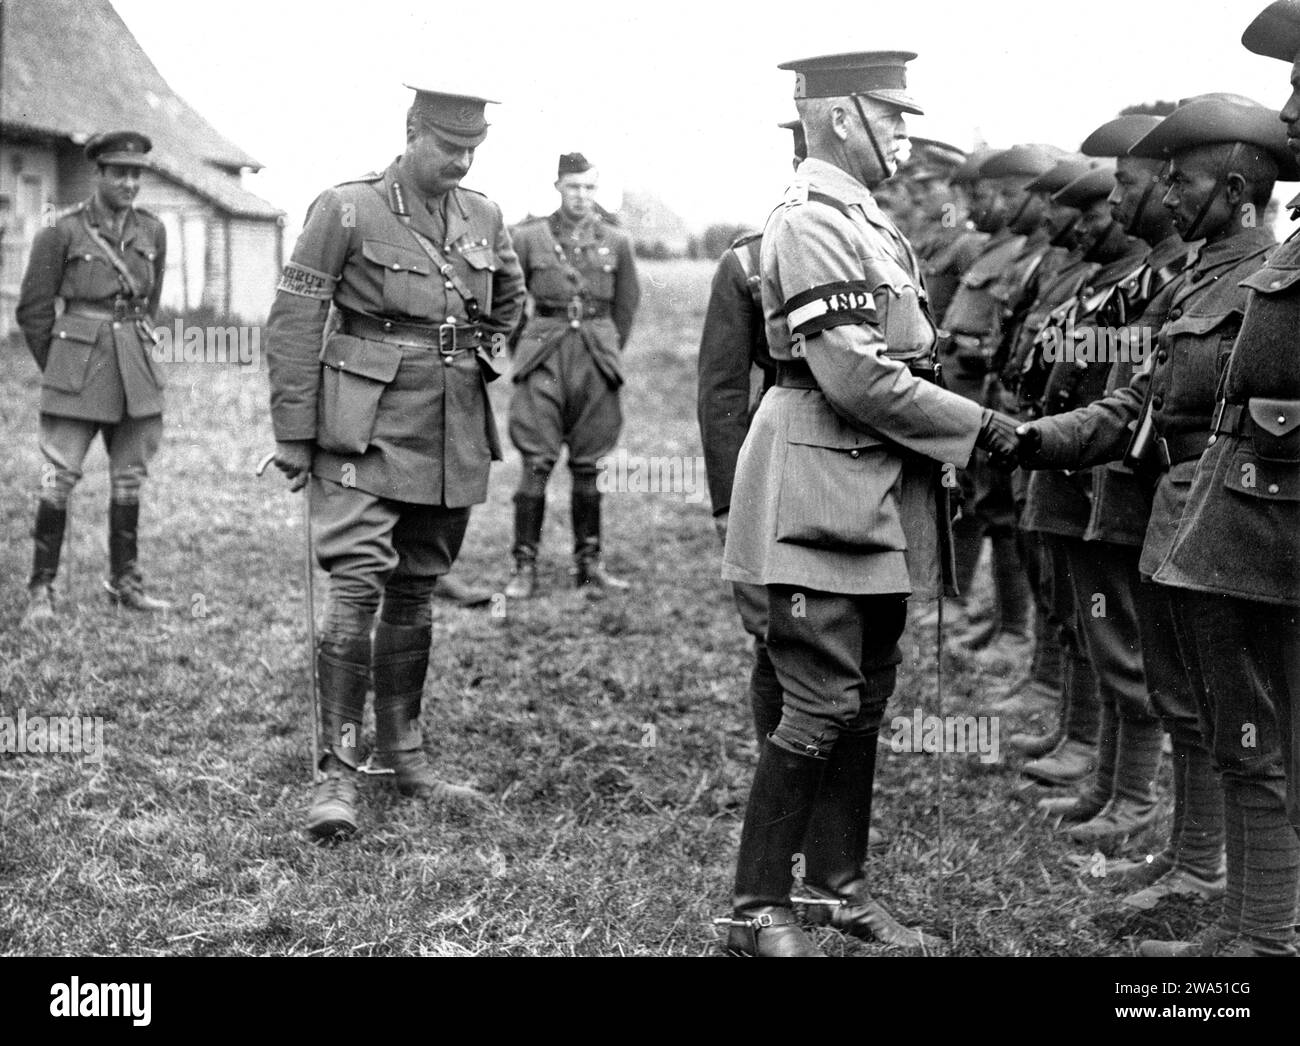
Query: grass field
[613, 736]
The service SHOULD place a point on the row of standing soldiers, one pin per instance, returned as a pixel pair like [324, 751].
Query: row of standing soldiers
[1144, 560]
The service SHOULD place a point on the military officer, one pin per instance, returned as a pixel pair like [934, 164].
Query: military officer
[390, 420]
[581, 274]
[833, 505]
[105, 259]
[1224, 154]
[735, 370]
[1235, 562]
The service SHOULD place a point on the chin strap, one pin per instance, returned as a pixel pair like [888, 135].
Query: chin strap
[871, 137]
[1102, 237]
[1131, 227]
[1224, 171]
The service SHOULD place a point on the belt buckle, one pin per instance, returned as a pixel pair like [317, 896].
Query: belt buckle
[119, 308]
[575, 311]
[447, 339]
[1217, 420]
[1162, 447]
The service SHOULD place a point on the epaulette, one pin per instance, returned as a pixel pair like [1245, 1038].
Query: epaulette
[796, 193]
[747, 238]
[70, 210]
[373, 176]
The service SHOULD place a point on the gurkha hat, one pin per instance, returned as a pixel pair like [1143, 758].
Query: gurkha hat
[1062, 173]
[881, 75]
[1093, 185]
[1211, 120]
[457, 118]
[125, 148]
[1275, 32]
[933, 159]
[572, 163]
[969, 171]
[1116, 137]
[800, 138]
[1020, 161]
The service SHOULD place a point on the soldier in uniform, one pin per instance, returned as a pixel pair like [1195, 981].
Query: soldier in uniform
[384, 410]
[105, 258]
[1224, 154]
[581, 275]
[1234, 563]
[833, 508]
[949, 243]
[974, 326]
[735, 371]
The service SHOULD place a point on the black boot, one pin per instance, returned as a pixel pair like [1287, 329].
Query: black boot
[400, 663]
[776, 819]
[835, 847]
[126, 585]
[342, 678]
[51, 521]
[588, 571]
[530, 510]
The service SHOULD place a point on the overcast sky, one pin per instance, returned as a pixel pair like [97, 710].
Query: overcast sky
[677, 98]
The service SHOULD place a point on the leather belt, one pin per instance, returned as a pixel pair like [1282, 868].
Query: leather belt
[794, 374]
[1231, 417]
[575, 311]
[1181, 446]
[121, 309]
[447, 338]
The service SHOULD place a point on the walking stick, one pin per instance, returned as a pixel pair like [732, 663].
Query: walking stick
[70, 555]
[309, 580]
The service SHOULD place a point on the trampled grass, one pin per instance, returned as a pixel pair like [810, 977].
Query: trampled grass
[613, 736]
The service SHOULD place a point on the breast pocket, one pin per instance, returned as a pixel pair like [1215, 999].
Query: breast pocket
[403, 273]
[481, 263]
[71, 349]
[839, 489]
[354, 375]
[602, 273]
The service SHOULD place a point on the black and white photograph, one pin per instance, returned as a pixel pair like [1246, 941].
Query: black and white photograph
[651, 480]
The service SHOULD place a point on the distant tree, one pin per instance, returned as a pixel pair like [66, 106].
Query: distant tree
[1160, 108]
[718, 237]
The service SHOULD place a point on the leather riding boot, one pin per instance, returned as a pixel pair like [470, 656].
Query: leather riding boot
[342, 678]
[47, 534]
[835, 847]
[399, 665]
[530, 510]
[126, 585]
[588, 571]
[780, 806]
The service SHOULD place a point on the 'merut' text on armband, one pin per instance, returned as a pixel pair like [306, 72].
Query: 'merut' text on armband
[306, 283]
[831, 305]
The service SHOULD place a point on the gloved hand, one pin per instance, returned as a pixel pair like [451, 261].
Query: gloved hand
[997, 435]
[1030, 444]
[294, 460]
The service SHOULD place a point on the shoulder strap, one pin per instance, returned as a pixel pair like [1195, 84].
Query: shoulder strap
[128, 280]
[553, 245]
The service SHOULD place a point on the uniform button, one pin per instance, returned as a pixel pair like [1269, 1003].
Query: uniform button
[1275, 284]
[451, 319]
[1175, 313]
[446, 361]
[1281, 419]
[63, 334]
[1196, 276]
[449, 285]
[1158, 402]
[116, 326]
[1272, 488]
[1212, 441]
[855, 453]
[1161, 356]
[388, 325]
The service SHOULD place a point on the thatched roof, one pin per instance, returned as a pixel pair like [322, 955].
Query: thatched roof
[72, 68]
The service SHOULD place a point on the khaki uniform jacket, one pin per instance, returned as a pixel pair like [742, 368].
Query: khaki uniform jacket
[946, 253]
[975, 317]
[398, 421]
[94, 368]
[1204, 307]
[834, 486]
[735, 368]
[591, 262]
[1240, 532]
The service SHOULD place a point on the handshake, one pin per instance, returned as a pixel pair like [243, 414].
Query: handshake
[1008, 443]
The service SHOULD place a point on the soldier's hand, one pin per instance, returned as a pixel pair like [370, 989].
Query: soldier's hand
[997, 435]
[293, 458]
[720, 525]
[1030, 445]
